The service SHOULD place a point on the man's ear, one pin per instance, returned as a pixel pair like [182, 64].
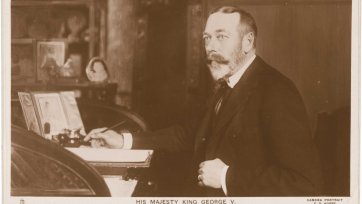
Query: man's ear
[248, 42]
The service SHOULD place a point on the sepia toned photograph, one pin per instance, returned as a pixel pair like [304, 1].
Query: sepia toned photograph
[188, 101]
[22, 60]
[50, 58]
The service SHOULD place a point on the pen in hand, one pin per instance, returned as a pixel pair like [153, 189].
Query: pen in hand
[113, 126]
[88, 137]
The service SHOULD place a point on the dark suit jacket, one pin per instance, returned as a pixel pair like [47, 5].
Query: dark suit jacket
[262, 132]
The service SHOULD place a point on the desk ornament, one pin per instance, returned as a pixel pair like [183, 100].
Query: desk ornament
[71, 138]
[97, 70]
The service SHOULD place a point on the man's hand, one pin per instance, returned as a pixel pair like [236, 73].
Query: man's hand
[210, 173]
[109, 138]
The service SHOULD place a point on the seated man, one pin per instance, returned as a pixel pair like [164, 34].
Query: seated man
[254, 138]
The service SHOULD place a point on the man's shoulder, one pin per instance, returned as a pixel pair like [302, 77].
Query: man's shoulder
[272, 79]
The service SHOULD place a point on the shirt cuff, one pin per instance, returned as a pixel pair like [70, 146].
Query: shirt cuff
[127, 140]
[223, 179]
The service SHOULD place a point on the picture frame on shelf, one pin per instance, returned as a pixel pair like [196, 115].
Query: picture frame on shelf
[50, 58]
[23, 60]
[71, 71]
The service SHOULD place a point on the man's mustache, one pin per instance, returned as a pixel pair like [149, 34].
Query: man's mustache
[216, 57]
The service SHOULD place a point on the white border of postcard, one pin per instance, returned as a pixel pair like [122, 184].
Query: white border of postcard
[355, 131]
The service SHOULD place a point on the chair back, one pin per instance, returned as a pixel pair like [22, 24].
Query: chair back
[40, 167]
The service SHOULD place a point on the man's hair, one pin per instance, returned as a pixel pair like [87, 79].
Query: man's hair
[245, 18]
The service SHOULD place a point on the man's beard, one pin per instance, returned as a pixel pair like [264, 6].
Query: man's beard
[220, 67]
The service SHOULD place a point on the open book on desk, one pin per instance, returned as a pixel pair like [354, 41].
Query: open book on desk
[49, 113]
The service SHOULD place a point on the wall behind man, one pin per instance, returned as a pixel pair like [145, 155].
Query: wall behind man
[121, 44]
[308, 41]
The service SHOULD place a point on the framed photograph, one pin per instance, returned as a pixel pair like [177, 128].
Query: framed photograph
[51, 112]
[22, 60]
[50, 58]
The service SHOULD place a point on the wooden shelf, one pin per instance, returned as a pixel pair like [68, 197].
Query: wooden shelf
[104, 92]
[51, 2]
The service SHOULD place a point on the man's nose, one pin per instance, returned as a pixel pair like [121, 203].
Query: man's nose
[212, 45]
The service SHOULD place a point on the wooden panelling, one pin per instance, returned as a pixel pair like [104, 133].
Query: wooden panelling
[121, 46]
[277, 2]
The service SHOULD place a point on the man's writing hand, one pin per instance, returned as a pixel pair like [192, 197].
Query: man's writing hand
[109, 138]
[210, 173]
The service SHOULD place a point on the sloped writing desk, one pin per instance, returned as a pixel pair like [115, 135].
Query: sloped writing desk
[43, 168]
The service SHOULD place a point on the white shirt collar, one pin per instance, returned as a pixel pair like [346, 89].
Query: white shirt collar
[236, 77]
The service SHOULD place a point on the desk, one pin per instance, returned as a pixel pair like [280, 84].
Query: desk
[126, 181]
[122, 170]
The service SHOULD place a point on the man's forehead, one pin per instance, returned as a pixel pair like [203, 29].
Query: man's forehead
[222, 21]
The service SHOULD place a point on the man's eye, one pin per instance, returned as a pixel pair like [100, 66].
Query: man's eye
[206, 37]
[222, 37]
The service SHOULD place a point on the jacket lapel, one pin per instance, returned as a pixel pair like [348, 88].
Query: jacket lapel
[235, 103]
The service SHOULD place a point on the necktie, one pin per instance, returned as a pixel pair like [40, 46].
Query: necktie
[221, 89]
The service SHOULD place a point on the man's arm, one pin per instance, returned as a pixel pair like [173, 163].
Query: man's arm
[176, 138]
[179, 137]
[173, 139]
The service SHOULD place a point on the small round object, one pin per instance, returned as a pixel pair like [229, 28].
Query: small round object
[97, 70]
[72, 142]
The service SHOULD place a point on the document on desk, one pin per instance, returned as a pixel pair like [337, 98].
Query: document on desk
[119, 187]
[111, 155]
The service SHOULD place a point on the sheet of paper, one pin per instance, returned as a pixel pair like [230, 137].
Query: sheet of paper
[50, 109]
[71, 110]
[119, 187]
[111, 155]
